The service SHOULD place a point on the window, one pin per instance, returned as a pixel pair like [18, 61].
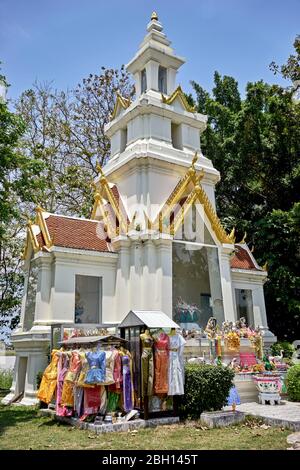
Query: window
[123, 141]
[244, 305]
[197, 291]
[143, 81]
[176, 135]
[30, 297]
[88, 299]
[162, 79]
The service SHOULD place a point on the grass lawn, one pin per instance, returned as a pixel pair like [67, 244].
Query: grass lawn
[22, 428]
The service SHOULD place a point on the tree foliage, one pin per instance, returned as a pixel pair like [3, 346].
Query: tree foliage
[18, 182]
[49, 148]
[66, 131]
[255, 144]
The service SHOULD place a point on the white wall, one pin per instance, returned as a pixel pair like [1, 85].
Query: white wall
[61, 302]
[247, 280]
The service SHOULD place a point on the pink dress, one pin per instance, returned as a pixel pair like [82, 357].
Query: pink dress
[161, 364]
[62, 369]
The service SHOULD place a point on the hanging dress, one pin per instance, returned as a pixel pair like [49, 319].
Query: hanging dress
[117, 373]
[147, 365]
[79, 384]
[127, 384]
[67, 397]
[161, 363]
[62, 369]
[97, 364]
[92, 400]
[176, 365]
[49, 380]
[109, 368]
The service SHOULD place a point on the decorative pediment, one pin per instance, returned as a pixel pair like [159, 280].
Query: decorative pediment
[187, 192]
[168, 220]
[32, 230]
[180, 97]
[121, 103]
[113, 210]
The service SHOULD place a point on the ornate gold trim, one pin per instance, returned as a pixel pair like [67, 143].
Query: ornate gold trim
[175, 197]
[112, 200]
[243, 240]
[97, 202]
[32, 236]
[197, 193]
[214, 220]
[179, 218]
[265, 266]
[43, 227]
[232, 235]
[178, 93]
[120, 101]
[25, 250]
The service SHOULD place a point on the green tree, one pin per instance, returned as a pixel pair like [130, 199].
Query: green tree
[49, 149]
[18, 183]
[255, 143]
[66, 131]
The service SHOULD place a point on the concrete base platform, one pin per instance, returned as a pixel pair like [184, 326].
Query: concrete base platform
[220, 419]
[286, 415]
[115, 427]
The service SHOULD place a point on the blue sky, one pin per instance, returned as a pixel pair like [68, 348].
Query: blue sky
[65, 40]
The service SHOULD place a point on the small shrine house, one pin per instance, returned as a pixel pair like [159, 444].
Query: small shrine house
[154, 240]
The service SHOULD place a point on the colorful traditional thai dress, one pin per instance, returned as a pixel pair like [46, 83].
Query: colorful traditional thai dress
[113, 400]
[67, 397]
[79, 384]
[97, 363]
[92, 400]
[117, 374]
[109, 368]
[49, 380]
[127, 384]
[176, 365]
[161, 363]
[147, 365]
[62, 369]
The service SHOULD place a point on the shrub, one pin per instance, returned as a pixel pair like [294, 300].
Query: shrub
[6, 378]
[206, 389]
[293, 383]
[288, 349]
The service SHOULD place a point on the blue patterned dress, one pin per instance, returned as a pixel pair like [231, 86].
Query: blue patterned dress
[97, 363]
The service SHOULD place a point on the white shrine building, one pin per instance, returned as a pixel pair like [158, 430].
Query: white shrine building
[154, 240]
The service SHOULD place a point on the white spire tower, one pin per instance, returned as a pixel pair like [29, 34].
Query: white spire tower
[155, 137]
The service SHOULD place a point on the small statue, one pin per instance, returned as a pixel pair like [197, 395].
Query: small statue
[211, 328]
[241, 323]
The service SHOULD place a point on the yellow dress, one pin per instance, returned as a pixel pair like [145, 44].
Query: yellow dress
[49, 380]
[67, 396]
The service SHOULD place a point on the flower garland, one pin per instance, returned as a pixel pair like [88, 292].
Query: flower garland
[233, 341]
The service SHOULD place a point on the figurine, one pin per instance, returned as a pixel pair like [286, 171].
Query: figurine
[211, 328]
[277, 358]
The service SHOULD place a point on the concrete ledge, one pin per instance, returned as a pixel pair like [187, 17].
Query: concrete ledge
[283, 423]
[285, 415]
[220, 419]
[115, 427]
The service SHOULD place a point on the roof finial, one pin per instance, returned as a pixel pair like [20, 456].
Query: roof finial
[154, 16]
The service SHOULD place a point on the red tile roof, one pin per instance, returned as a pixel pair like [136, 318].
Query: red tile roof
[242, 259]
[76, 233]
